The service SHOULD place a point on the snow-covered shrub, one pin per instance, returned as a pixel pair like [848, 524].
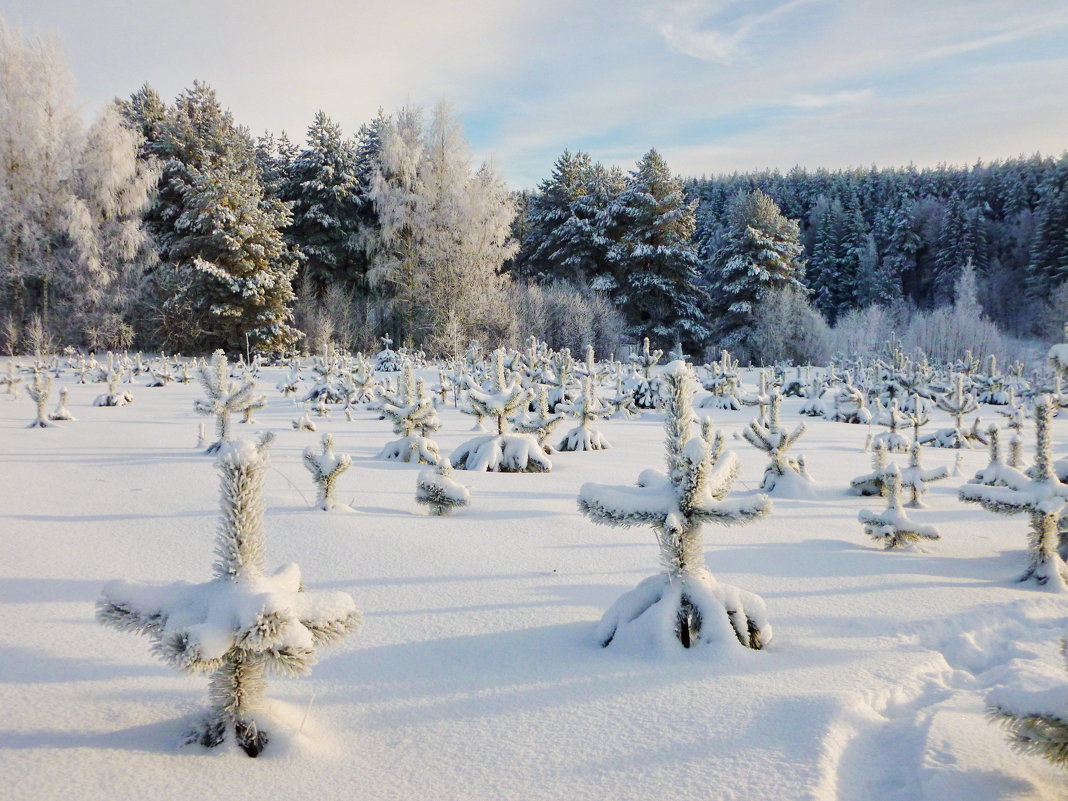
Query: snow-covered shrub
[771, 438]
[225, 397]
[1043, 498]
[437, 490]
[501, 452]
[39, 390]
[892, 526]
[684, 604]
[325, 467]
[62, 412]
[588, 408]
[240, 624]
[722, 382]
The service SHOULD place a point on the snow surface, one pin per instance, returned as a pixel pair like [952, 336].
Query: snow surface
[477, 674]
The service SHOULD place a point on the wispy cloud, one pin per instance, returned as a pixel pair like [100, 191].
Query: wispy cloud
[716, 85]
[831, 99]
[699, 29]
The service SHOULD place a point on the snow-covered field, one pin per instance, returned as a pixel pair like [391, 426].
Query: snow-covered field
[476, 674]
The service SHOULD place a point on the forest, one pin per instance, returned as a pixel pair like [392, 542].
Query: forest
[169, 225]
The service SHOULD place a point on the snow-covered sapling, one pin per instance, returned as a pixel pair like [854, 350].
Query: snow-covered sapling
[39, 390]
[588, 408]
[1044, 733]
[895, 420]
[775, 441]
[414, 416]
[240, 624]
[501, 452]
[325, 467]
[62, 412]
[225, 397]
[872, 483]
[684, 604]
[850, 405]
[541, 422]
[647, 389]
[437, 490]
[388, 360]
[113, 397]
[916, 477]
[1043, 498]
[956, 404]
[304, 422]
[892, 526]
[992, 474]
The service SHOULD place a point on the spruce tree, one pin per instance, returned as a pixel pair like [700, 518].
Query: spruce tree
[324, 192]
[760, 251]
[227, 273]
[653, 258]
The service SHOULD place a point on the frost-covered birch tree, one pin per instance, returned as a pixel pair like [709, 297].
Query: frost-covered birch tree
[445, 230]
[72, 243]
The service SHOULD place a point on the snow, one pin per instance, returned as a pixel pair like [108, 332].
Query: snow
[477, 673]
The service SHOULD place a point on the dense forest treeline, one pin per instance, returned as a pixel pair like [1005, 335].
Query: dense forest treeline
[169, 225]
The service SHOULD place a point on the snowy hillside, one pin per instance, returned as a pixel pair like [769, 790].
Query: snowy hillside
[476, 673]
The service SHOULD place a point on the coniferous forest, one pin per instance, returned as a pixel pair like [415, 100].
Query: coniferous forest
[165, 223]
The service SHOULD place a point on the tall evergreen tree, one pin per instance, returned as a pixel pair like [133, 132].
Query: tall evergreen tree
[653, 258]
[760, 251]
[324, 192]
[227, 274]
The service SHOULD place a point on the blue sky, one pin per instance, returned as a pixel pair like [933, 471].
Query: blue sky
[715, 85]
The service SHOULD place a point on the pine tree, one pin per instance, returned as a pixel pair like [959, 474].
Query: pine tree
[225, 397]
[323, 189]
[325, 467]
[684, 603]
[892, 526]
[760, 251]
[653, 259]
[227, 273]
[1043, 498]
[437, 490]
[240, 624]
